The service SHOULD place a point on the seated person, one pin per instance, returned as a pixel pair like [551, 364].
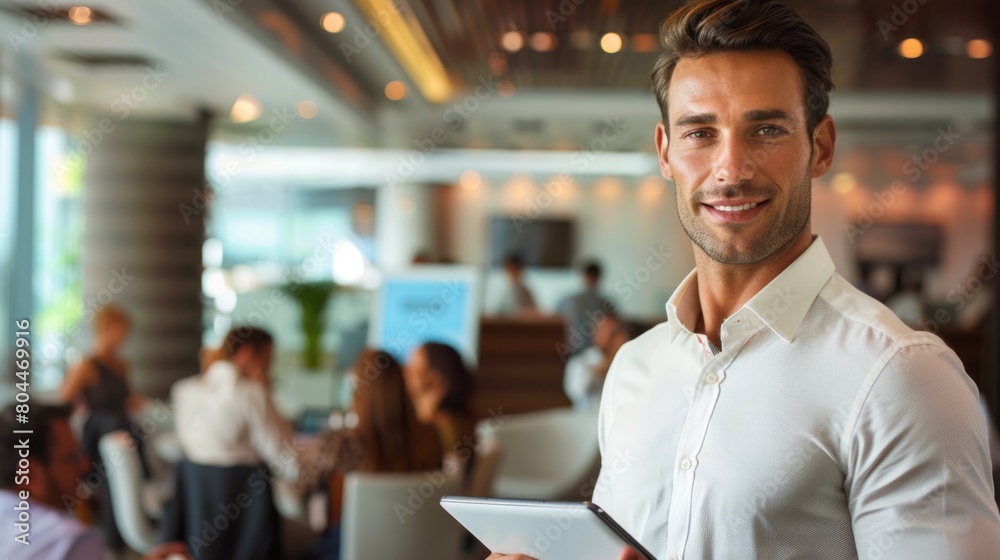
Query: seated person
[54, 466]
[585, 371]
[441, 388]
[387, 438]
[226, 416]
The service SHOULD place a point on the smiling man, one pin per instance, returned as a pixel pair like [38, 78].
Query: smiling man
[779, 412]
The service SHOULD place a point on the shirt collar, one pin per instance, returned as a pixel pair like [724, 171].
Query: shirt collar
[781, 305]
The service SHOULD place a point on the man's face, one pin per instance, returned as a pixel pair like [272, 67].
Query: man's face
[740, 153]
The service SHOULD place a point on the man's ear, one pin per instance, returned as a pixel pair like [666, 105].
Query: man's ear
[823, 141]
[661, 150]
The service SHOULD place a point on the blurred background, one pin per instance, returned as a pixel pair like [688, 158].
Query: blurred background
[342, 172]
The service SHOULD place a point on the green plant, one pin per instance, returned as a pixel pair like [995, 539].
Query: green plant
[312, 298]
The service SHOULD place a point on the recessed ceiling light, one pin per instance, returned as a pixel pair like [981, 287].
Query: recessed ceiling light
[543, 42]
[306, 109]
[81, 15]
[911, 48]
[333, 22]
[979, 48]
[245, 109]
[611, 43]
[395, 90]
[512, 41]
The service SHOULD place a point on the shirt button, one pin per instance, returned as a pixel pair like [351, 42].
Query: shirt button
[711, 379]
[686, 464]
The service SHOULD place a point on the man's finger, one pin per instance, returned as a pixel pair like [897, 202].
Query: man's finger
[629, 554]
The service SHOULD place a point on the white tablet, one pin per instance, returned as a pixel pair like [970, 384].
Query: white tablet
[542, 530]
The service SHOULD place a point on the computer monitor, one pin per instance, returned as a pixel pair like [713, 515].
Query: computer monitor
[427, 304]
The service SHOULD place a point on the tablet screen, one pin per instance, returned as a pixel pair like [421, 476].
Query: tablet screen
[542, 530]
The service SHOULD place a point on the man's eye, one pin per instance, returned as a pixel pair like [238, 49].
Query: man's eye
[768, 131]
[697, 135]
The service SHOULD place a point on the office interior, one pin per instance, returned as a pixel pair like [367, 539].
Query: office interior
[349, 174]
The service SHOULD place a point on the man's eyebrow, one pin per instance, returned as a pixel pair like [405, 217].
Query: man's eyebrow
[766, 115]
[696, 118]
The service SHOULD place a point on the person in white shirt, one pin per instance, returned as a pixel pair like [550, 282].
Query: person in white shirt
[226, 416]
[779, 412]
[586, 370]
[40, 465]
[516, 298]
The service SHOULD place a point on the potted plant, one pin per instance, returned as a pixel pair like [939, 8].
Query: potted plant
[312, 298]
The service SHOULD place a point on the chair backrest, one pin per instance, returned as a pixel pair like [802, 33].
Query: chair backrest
[125, 482]
[223, 512]
[399, 516]
[484, 471]
[547, 455]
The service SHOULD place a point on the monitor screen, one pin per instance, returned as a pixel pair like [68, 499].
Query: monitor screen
[540, 243]
[899, 244]
[427, 304]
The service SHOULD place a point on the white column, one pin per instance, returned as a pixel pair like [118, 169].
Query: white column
[404, 224]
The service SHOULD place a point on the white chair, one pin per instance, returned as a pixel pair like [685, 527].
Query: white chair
[547, 455]
[399, 516]
[124, 470]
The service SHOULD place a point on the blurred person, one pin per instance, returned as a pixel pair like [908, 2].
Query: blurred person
[36, 496]
[99, 385]
[779, 412]
[583, 311]
[516, 298]
[226, 416]
[387, 438]
[442, 387]
[586, 371]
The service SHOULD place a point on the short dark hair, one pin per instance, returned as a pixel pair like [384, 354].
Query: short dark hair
[449, 363]
[743, 25]
[238, 337]
[40, 419]
[592, 269]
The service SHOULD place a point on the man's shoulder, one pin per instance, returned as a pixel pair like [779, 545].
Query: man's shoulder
[869, 320]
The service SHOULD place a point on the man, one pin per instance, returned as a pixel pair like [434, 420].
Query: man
[583, 311]
[517, 298]
[779, 412]
[33, 498]
[586, 370]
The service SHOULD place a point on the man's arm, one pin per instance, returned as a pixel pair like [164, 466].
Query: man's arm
[919, 480]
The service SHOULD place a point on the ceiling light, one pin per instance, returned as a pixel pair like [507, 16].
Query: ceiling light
[81, 15]
[911, 48]
[245, 109]
[512, 41]
[395, 90]
[306, 109]
[979, 48]
[470, 179]
[611, 43]
[333, 22]
[543, 42]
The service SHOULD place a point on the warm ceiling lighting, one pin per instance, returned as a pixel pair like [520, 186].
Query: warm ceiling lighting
[911, 48]
[470, 180]
[395, 90]
[543, 42]
[333, 22]
[843, 183]
[506, 88]
[245, 109]
[306, 109]
[512, 41]
[978, 48]
[645, 42]
[611, 43]
[81, 15]
[498, 63]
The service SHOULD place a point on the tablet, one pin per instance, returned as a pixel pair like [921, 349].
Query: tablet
[542, 530]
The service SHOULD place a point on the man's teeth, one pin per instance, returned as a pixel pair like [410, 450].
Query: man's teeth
[739, 208]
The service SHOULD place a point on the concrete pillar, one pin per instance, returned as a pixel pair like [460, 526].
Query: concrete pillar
[144, 229]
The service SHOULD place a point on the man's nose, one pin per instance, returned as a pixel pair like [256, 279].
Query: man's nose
[734, 162]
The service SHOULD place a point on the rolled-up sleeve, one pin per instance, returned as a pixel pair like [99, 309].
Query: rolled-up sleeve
[918, 472]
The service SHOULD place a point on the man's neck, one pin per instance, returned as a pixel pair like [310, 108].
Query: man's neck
[724, 288]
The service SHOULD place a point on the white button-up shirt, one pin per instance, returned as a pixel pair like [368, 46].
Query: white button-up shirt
[824, 428]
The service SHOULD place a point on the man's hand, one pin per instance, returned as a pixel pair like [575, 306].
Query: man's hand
[627, 554]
